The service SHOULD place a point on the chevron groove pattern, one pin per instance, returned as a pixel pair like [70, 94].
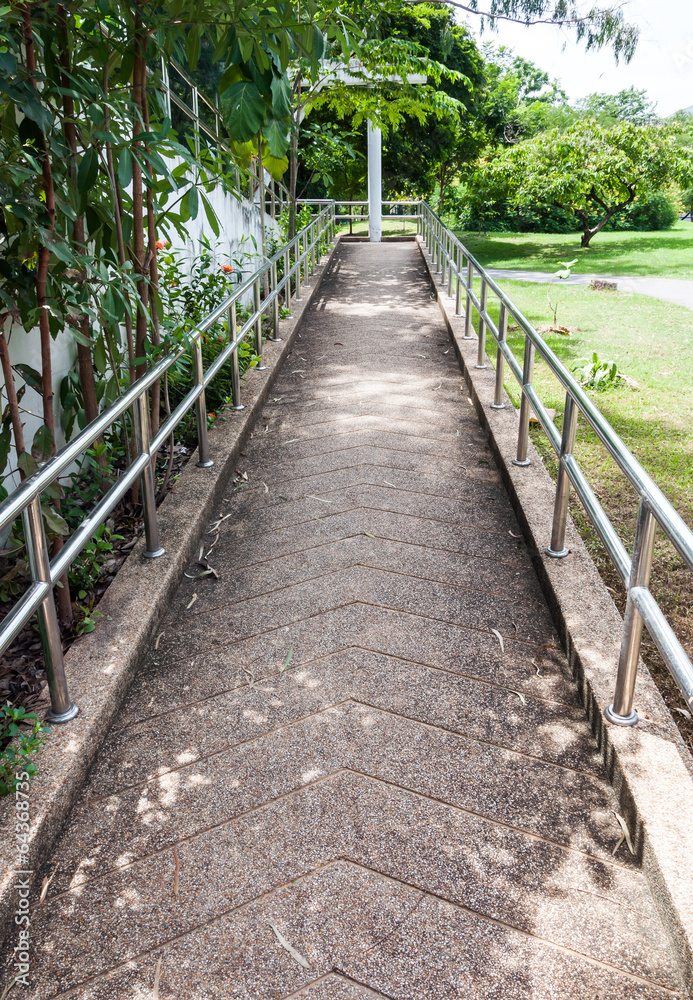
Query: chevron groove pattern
[328, 746]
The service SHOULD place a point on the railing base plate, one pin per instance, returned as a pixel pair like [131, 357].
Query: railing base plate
[155, 554]
[620, 720]
[205, 465]
[58, 718]
[523, 463]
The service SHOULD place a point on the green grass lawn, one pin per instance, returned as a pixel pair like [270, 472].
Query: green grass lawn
[652, 342]
[666, 254]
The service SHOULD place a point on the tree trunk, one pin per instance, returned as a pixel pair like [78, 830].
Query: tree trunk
[138, 84]
[63, 592]
[293, 163]
[12, 401]
[86, 369]
[118, 218]
[155, 397]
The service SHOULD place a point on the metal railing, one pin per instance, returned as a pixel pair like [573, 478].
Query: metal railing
[299, 257]
[363, 216]
[247, 180]
[459, 270]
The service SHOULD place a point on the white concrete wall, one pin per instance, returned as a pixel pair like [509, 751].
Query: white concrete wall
[238, 218]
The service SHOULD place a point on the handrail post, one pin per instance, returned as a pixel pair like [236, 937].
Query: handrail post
[557, 549]
[275, 304]
[458, 281]
[257, 296]
[451, 253]
[313, 247]
[196, 112]
[304, 255]
[235, 375]
[203, 459]
[140, 414]
[287, 281]
[297, 272]
[523, 433]
[498, 403]
[481, 348]
[443, 256]
[621, 711]
[468, 308]
[62, 708]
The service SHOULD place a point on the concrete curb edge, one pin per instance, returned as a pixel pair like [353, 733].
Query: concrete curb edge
[100, 666]
[648, 765]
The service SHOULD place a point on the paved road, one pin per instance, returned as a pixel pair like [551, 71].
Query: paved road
[670, 289]
[333, 778]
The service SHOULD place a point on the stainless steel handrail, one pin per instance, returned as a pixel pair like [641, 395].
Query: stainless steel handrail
[278, 192]
[459, 269]
[299, 257]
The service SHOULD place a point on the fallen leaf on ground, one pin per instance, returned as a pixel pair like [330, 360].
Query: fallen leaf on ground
[684, 712]
[157, 977]
[311, 497]
[625, 835]
[296, 955]
[188, 606]
[287, 661]
[158, 639]
[369, 534]
[514, 535]
[519, 695]
[44, 889]
[500, 639]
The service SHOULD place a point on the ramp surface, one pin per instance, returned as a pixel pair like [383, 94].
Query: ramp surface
[355, 765]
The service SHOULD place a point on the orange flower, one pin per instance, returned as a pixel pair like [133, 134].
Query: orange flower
[161, 245]
[226, 268]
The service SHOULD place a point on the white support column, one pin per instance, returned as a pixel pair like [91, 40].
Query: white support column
[375, 186]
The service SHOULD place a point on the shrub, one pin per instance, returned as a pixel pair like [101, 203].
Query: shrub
[17, 745]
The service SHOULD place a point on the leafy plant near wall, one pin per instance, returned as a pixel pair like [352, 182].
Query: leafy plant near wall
[92, 180]
[21, 736]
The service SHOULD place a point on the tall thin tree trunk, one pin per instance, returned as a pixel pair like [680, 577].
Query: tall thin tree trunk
[263, 235]
[12, 401]
[155, 402]
[141, 264]
[86, 369]
[63, 591]
[293, 163]
[118, 218]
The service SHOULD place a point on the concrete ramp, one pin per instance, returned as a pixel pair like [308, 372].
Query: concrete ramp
[355, 764]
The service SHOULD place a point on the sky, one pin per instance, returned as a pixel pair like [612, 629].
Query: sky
[662, 64]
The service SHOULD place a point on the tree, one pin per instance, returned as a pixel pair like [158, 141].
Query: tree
[518, 99]
[596, 26]
[588, 170]
[629, 105]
